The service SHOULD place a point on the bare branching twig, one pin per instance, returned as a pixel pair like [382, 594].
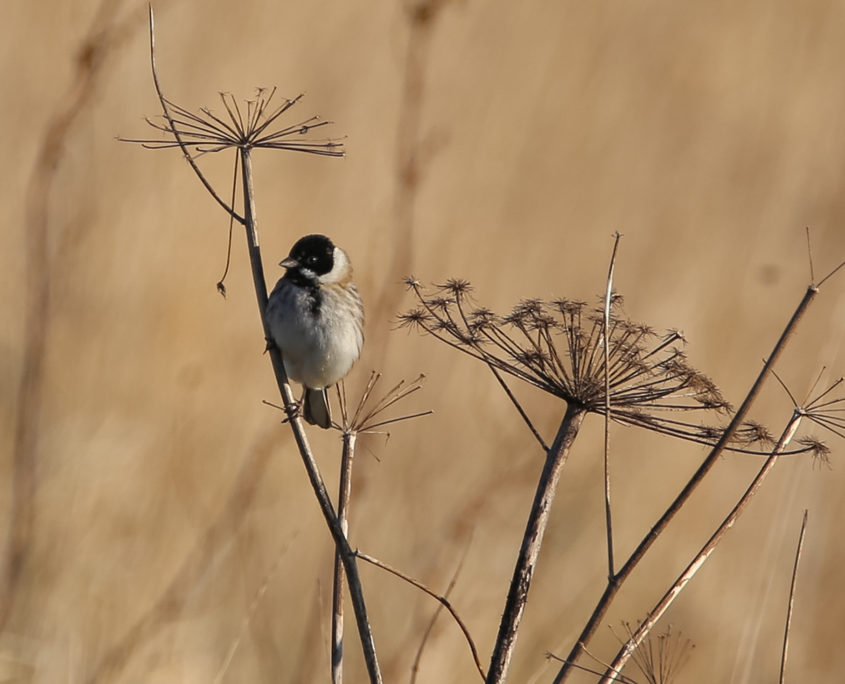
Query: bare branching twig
[593, 360]
[798, 414]
[637, 637]
[683, 496]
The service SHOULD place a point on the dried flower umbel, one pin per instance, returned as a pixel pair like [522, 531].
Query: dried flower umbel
[368, 414]
[557, 346]
[255, 124]
[660, 657]
[828, 414]
[594, 360]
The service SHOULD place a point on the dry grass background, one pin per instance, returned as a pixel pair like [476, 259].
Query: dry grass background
[165, 494]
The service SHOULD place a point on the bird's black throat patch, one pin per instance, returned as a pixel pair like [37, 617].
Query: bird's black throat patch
[315, 297]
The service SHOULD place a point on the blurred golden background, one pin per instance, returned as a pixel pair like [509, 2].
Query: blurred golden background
[156, 515]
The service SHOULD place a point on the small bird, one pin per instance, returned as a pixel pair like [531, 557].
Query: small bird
[316, 319]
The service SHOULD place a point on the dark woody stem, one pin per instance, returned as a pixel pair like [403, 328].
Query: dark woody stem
[531, 542]
[319, 487]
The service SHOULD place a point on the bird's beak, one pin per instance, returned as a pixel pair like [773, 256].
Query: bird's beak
[289, 262]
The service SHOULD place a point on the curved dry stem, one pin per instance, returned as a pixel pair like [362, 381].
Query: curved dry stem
[175, 131]
[832, 273]
[608, 518]
[415, 666]
[792, 585]
[442, 599]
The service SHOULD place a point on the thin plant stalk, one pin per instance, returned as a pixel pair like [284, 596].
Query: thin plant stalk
[616, 581]
[608, 518]
[704, 553]
[531, 542]
[317, 484]
[785, 649]
[345, 490]
[415, 666]
[444, 601]
[518, 406]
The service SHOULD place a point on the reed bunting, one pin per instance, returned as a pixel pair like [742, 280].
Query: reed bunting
[316, 318]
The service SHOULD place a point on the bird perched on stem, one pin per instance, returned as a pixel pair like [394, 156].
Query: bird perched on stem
[316, 318]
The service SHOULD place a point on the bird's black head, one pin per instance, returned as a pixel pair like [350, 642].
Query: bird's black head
[312, 253]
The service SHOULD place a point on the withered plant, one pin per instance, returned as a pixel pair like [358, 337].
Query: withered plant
[589, 360]
[596, 362]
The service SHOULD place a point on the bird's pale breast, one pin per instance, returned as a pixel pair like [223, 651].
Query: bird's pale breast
[319, 343]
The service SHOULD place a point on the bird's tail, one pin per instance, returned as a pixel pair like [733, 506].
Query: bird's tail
[317, 410]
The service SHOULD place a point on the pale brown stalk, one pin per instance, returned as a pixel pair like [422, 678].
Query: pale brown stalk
[344, 493]
[790, 603]
[608, 294]
[683, 496]
[367, 416]
[704, 553]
